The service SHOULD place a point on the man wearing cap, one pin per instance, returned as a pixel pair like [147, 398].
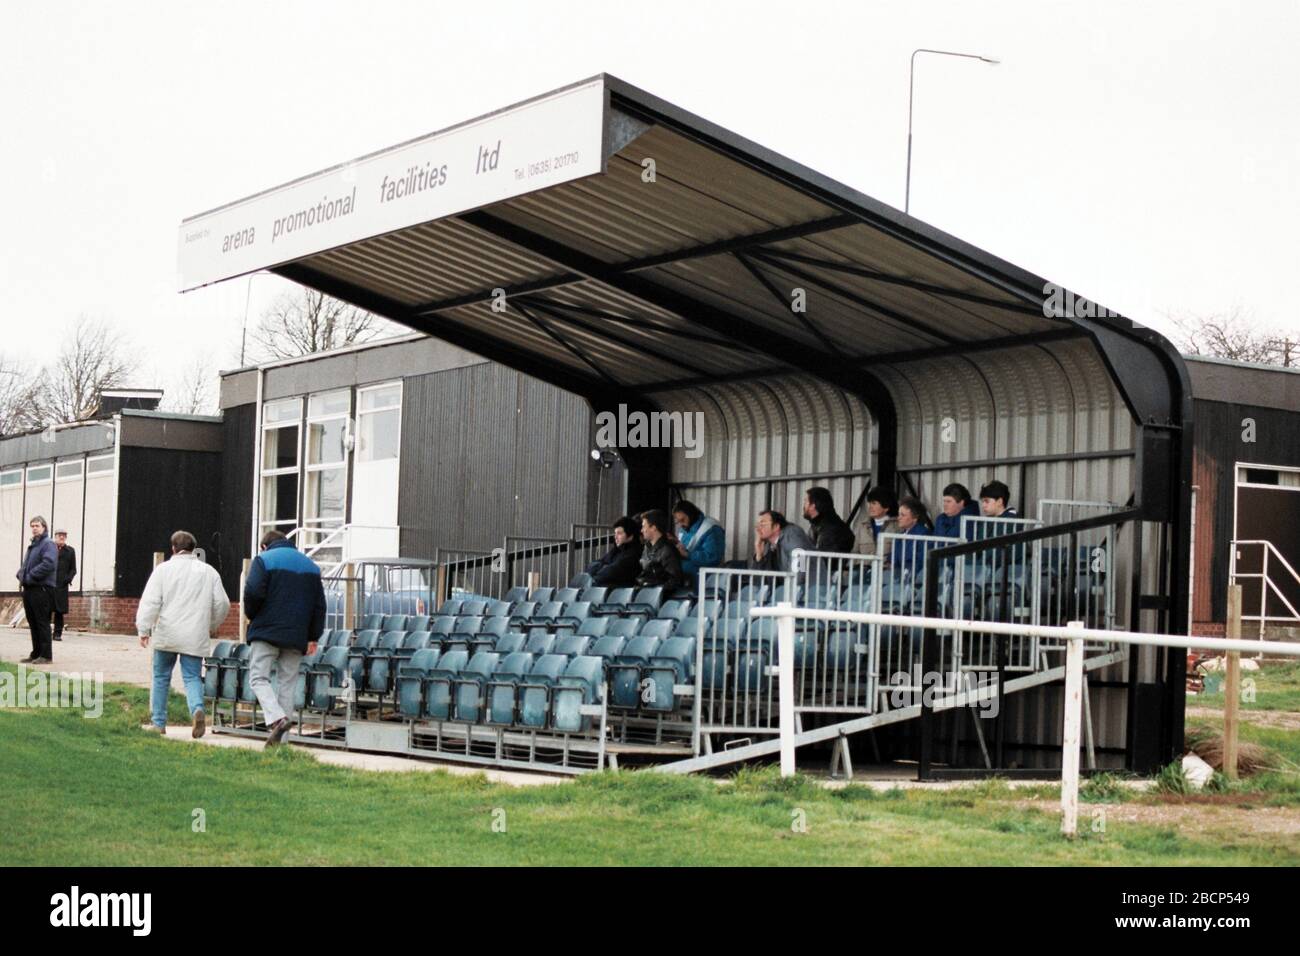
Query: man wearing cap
[64, 573]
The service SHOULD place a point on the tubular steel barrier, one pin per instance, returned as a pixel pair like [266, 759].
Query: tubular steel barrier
[835, 665]
[1267, 586]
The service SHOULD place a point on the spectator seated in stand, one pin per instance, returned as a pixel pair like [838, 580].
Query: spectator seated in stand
[621, 564]
[829, 531]
[775, 541]
[957, 501]
[882, 518]
[660, 564]
[701, 541]
[913, 519]
[995, 501]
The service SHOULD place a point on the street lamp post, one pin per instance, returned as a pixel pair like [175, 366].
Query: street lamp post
[911, 81]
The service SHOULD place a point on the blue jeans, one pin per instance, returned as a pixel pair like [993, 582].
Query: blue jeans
[191, 675]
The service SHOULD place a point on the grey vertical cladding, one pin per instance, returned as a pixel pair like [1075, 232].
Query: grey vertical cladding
[486, 453]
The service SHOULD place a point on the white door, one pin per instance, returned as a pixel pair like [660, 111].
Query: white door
[374, 531]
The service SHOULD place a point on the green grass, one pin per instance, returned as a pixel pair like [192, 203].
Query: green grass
[1277, 687]
[108, 794]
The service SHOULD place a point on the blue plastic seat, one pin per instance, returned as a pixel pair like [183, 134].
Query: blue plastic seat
[473, 608]
[646, 602]
[417, 622]
[471, 683]
[491, 630]
[534, 691]
[625, 671]
[660, 627]
[594, 595]
[503, 688]
[542, 595]
[373, 622]
[608, 647]
[594, 627]
[515, 595]
[498, 609]
[522, 611]
[468, 625]
[510, 643]
[439, 681]
[689, 626]
[578, 685]
[580, 580]
[410, 681]
[377, 667]
[673, 663]
[539, 642]
[442, 624]
[616, 601]
[393, 622]
[574, 613]
[624, 627]
[326, 673]
[674, 610]
[572, 645]
[359, 655]
[450, 607]
[566, 595]
[212, 668]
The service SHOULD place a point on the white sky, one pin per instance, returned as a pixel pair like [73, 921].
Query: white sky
[1144, 157]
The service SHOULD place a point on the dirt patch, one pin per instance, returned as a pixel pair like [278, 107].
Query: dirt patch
[1274, 719]
[1202, 816]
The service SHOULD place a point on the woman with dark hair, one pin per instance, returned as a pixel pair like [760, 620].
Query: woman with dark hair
[701, 541]
[882, 518]
[660, 565]
[956, 502]
[621, 563]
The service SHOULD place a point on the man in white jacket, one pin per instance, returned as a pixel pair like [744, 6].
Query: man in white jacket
[182, 606]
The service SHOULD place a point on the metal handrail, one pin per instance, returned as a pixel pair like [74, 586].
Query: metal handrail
[1266, 583]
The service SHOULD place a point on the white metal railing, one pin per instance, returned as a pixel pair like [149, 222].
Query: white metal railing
[1266, 584]
[1073, 636]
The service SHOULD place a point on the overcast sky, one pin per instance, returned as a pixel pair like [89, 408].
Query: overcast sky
[1144, 157]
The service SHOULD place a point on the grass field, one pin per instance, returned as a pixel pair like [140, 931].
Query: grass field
[107, 794]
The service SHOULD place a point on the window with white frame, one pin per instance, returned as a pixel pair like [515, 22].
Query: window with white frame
[328, 427]
[379, 422]
[281, 451]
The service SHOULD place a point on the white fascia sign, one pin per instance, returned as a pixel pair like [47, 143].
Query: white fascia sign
[537, 144]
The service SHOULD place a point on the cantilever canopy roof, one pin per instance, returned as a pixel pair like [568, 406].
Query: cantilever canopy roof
[608, 242]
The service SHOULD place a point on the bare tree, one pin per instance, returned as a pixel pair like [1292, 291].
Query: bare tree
[194, 389]
[94, 357]
[1234, 336]
[19, 411]
[306, 321]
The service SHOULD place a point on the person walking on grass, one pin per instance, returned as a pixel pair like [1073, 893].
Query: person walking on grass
[37, 576]
[284, 601]
[183, 605]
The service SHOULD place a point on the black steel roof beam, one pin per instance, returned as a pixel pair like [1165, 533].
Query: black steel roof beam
[942, 291]
[776, 294]
[489, 346]
[567, 345]
[975, 345]
[720, 247]
[559, 316]
[778, 346]
[856, 299]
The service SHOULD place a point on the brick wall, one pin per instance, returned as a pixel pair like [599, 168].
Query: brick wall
[116, 615]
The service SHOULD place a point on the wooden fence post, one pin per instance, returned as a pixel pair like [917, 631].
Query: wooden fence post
[1232, 685]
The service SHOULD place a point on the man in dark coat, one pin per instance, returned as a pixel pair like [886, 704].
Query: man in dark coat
[622, 563]
[661, 566]
[284, 602]
[65, 572]
[36, 577]
[830, 532]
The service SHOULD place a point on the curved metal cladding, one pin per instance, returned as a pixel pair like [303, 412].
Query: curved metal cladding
[765, 441]
[1046, 419]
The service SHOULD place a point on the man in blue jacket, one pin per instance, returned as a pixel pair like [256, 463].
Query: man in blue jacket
[36, 576]
[284, 602]
[956, 503]
[701, 541]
